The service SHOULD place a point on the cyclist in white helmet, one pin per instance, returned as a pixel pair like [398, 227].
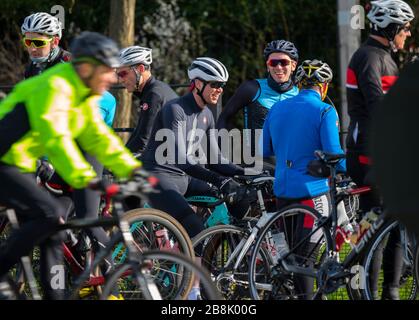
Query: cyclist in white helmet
[188, 122]
[371, 73]
[135, 75]
[41, 34]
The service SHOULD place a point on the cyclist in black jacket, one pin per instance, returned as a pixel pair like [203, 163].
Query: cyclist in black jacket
[135, 75]
[41, 36]
[179, 130]
[371, 73]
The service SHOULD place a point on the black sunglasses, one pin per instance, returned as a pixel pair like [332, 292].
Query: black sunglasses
[216, 84]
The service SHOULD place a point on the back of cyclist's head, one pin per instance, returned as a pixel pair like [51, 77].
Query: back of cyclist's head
[388, 17]
[136, 55]
[314, 74]
[207, 70]
[96, 49]
[281, 46]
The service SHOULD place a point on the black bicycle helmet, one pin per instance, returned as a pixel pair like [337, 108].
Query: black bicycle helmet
[95, 46]
[283, 46]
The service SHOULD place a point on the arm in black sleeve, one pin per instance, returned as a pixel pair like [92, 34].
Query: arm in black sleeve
[368, 73]
[138, 140]
[242, 97]
[174, 119]
[217, 162]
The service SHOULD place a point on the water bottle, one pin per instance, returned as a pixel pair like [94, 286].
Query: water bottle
[343, 235]
[365, 224]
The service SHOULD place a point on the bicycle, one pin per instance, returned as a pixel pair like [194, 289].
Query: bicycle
[299, 261]
[142, 270]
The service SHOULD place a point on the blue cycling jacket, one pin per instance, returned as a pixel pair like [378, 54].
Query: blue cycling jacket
[293, 130]
[107, 106]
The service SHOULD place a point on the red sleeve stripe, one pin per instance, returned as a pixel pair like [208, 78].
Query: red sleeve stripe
[351, 81]
[387, 82]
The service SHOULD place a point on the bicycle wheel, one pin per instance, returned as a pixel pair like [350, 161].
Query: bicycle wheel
[215, 247]
[381, 259]
[154, 229]
[343, 293]
[295, 223]
[170, 272]
[151, 229]
[416, 267]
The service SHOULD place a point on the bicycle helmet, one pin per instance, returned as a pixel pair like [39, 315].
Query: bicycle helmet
[312, 72]
[283, 46]
[208, 69]
[95, 46]
[385, 12]
[42, 22]
[135, 55]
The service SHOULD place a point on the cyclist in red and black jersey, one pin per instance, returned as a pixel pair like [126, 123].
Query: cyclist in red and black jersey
[41, 36]
[371, 73]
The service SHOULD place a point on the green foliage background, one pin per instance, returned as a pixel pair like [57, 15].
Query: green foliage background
[234, 31]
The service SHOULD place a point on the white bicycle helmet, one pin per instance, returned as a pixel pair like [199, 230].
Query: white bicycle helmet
[42, 22]
[208, 69]
[314, 71]
[384, 12]
[134, 55]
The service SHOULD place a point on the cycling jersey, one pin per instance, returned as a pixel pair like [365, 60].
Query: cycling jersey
[33, 69]
[153, 97]
[107, 107]
[293, 130]
[371, 73]
[182, 118]
[107, 104]
[185, 124]
[47, 115]
[256, 97]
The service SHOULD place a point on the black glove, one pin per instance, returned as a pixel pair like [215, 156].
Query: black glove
[45, 171]
[230, 189]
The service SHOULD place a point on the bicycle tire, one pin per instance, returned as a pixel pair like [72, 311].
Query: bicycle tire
[408, 289]
[416, 267]
[172, 262]
[280, 285]
[118, 251]
[159, 217]
[215, 245]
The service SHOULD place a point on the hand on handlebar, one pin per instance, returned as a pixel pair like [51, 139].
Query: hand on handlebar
[45, 171]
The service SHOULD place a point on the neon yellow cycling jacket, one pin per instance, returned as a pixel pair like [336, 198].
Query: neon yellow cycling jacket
[52, 115]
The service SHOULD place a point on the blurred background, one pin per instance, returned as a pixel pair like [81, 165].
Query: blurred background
[234, 31]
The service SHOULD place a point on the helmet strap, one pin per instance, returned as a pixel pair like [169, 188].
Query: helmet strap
[200, 93]
[137, 78]
[324, 87]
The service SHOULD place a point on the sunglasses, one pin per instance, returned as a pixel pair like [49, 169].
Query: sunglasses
[216, 85]
[122, 74]
[406, 28]
[37, 43]
[282, 62]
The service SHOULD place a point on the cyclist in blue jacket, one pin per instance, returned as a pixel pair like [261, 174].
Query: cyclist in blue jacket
[293, 130]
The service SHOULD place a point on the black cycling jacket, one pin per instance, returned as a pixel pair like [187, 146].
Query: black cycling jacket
[33, 69]
[178, 131]
[371, 72]
[153, 97]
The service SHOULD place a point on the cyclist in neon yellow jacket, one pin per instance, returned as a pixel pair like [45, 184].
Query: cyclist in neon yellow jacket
[56, 115]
